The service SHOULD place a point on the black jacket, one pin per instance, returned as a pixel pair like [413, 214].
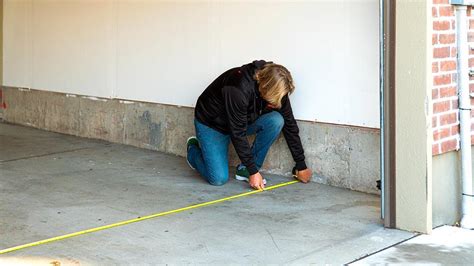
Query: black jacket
[233, 101]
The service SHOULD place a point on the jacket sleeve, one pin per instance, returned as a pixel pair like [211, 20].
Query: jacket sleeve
[291, 134]
[236, 103]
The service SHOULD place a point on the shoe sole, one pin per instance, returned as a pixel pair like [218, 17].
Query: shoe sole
[243, 178]
[190, 166]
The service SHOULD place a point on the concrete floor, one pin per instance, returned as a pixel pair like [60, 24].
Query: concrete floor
[53, 184]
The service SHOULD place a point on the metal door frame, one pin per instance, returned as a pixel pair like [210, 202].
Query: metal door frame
[387, 32]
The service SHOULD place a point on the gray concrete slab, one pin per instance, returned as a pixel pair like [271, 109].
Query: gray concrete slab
[76, 184]
[447, 245]
[18, 142]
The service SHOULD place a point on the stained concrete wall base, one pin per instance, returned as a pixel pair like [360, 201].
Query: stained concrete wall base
[446, 189]
[340, 156]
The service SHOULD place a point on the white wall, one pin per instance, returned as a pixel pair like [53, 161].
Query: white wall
[169, 51]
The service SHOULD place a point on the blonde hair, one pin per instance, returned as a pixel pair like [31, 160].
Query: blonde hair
[274, 82]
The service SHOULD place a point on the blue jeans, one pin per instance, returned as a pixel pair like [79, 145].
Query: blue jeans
[211, 159]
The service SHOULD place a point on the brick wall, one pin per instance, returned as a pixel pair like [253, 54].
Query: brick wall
[444, 93]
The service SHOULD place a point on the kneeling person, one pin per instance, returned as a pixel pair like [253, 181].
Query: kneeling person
[246, 100]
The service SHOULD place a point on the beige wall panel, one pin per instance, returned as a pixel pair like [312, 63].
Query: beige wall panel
[74, 47]
[413, 115]
[18, 44]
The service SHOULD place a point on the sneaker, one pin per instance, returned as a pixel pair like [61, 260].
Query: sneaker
[243, 174]
[192, 141]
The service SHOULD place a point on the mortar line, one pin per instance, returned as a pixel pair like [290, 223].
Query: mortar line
[100, 228]
[43, 155]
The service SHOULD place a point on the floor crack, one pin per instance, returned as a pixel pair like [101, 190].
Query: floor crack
[43, 155]
[273, 240]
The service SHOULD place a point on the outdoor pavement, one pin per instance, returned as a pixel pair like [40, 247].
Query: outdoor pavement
[447, 245]
[53, 184]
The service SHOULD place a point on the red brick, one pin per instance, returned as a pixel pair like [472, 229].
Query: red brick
[447, 92]
[471, 24]
[441, 25]
[436, 135]
[441, 52]
[434, 12]
[448, 65]
[434, 94]
[441, 107]
[454, 130]
[442, 80]
[434, 39]
[435, 149]
[471, 62]
[453, 52]
[434, 67]
[446, 11]
[448, 119]
[454, 104]
[440, 1]
[470, 37]
[434, 121]
[447, 38]
[445, 132]
[449, 145]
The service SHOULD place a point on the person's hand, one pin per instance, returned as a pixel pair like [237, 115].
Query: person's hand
[256, 181]
[304, 175]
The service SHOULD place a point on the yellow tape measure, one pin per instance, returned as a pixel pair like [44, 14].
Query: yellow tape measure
[57, 238]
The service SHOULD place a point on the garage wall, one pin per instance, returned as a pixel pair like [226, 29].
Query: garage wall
[169, 51]
[63, 46]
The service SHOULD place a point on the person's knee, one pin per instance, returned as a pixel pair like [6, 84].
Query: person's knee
[276, 120]
[217, 182]
[218, 179]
